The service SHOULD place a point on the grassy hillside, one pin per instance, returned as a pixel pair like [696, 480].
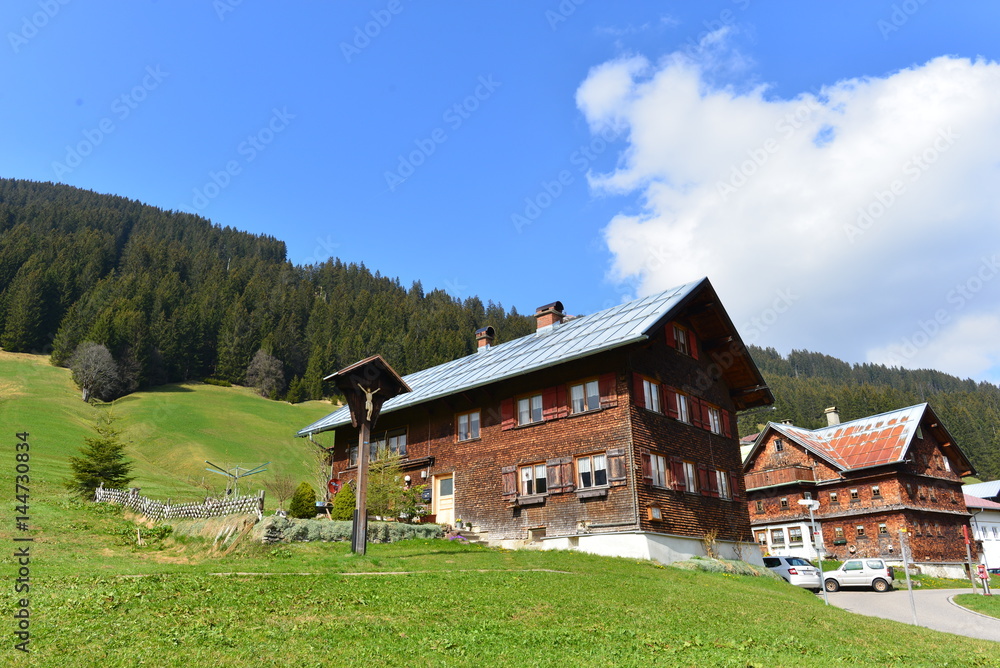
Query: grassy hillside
[173, 429]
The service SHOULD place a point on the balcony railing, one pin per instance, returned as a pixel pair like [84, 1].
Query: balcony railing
[782, 476]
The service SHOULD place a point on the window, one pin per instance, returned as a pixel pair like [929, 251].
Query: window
[651, 393]
[681, 340]
[861, 530]
[690, 478]
[658, 466]
[683, 411]
[833, 497]
[946, 462]
[761, 537]
[854, 494]
[938, 528]
[794, 535]
[533, 479]
[876, 491]
[584, 397]
[916, 528]
[655, 514]
[927, 528]
[778, 537]
[468, 426]
[593, 471]
[778, 445]
[853, 565]
[759, 506]
[392, 442]
[714, 420]
[783, 501]
[807, 496]
[722, 484]
[882, 529]
[529, 409]
[838, 533]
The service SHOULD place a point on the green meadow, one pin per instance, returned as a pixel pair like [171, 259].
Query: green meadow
[99, 599]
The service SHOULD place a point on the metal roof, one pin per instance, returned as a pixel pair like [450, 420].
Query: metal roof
[572, 339]
[975, 502]
[984, 490]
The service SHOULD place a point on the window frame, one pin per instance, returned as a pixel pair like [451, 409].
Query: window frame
[779, 445]
[593, 471]
[855, 495]
[651, 395]
[714, 420]
[660, 473]
[860, 531]
[722, 484]
[681, 342]
[759, 506]
[478, 422]
[876, 491]
[834, 498]
[530, 398]
[377, 443]
[584, 385]
[532, 480]
[690, 477]
[783, 503]
[778, 532]
[683, 414]
[792, 532]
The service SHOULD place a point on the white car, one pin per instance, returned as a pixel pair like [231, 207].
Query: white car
[796, 571]
[873, 573]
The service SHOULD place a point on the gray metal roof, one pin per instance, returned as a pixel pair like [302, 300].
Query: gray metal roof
[983, 490]
[569, 340]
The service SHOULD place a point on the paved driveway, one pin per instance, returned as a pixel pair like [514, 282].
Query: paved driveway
[934, 610]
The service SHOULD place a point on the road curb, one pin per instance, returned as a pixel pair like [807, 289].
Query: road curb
[951, 599]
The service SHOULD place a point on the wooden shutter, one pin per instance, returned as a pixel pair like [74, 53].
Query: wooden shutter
[616, 467]
[735, 479]
[724, 416]
[638, 395]
[677, 474]
[647, 468]
[694, 406]
[706, 422]
[566, 474]
[713, 482]
[609, 394]
[550, 402]
[704, 484]
[671, 338]
[670, 394]
[562, 405]
[692, 344]
[507, 420]
[508, 476]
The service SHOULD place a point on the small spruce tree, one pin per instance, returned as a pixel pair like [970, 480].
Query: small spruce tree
[102, 461]
[343, 504]
[303, 505]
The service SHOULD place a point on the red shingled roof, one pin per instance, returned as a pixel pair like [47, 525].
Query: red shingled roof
[976, 502]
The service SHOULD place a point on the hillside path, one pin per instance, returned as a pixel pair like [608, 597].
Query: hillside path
[935, 610]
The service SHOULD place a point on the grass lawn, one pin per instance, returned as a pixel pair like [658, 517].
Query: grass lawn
[987, 605]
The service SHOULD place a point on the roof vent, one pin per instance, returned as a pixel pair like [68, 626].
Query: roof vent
[484, 338]
[550, 314]
[832, 416]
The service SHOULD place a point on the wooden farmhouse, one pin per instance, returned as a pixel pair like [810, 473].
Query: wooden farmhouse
[872, 477]
[612, 433]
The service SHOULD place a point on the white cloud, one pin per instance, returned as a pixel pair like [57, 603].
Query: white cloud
[867, 201]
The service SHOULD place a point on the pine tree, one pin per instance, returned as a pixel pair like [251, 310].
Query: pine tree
[344, 504]
[303, 505]
[103, 459]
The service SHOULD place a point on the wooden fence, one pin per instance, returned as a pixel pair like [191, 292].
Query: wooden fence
[156, 510]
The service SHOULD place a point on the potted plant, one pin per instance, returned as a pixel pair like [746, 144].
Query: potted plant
[458, 523]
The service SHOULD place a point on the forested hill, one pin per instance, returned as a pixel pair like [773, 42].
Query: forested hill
[174, 297]
[805, 383]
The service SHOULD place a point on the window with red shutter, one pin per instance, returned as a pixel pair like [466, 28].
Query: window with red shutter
[647, 468]
[550, 403]
[734, 485]
[671, 396]
[677, 477]
[703, 480]
[638, 393]
[508, 477]
[507, 414]
[617, 474]
[609, 392]
[692, 345]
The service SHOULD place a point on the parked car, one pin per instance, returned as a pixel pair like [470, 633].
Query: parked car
[796, 571]
[874, 573]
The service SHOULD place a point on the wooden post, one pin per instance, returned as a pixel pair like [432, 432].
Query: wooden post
[359, 530]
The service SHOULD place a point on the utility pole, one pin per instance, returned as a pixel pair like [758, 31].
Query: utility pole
[904, 546]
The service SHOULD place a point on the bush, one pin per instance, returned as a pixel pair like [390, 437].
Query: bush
[343, 504]
[303, 505]
[221, 382]
[324, 530]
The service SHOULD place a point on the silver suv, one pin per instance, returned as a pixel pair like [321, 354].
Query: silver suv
[874, 573]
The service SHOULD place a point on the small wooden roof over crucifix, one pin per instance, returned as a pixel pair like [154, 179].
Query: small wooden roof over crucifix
[367, 385]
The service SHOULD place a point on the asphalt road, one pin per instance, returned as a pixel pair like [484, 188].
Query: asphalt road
[934, 610]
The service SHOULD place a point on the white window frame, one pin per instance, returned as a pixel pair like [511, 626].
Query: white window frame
[714, 420]
[471, 429]
[589, 397]
[658, 468]
[722, 483]
[530, 478]
[778, 532]
[529, 410]
[690, 477]
[791, 536]
[681, 340]
[651, 395]
[595, 465]
[683, 408]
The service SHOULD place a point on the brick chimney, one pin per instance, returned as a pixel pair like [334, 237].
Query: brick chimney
[484, 338]
[832, 416]
[550, 314]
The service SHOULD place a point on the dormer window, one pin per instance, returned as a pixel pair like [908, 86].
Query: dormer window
[681, 340]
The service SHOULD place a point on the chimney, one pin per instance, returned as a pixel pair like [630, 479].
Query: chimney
[832, 416]
[484, 338]
[550, 314]
[787, 421]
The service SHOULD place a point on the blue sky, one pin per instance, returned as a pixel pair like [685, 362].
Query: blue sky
[830, 166]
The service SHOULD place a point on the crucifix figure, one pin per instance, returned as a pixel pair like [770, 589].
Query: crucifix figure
[368, 400]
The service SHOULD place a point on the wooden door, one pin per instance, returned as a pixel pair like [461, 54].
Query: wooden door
[444, 498]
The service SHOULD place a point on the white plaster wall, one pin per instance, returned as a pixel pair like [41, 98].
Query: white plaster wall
[663, 548]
